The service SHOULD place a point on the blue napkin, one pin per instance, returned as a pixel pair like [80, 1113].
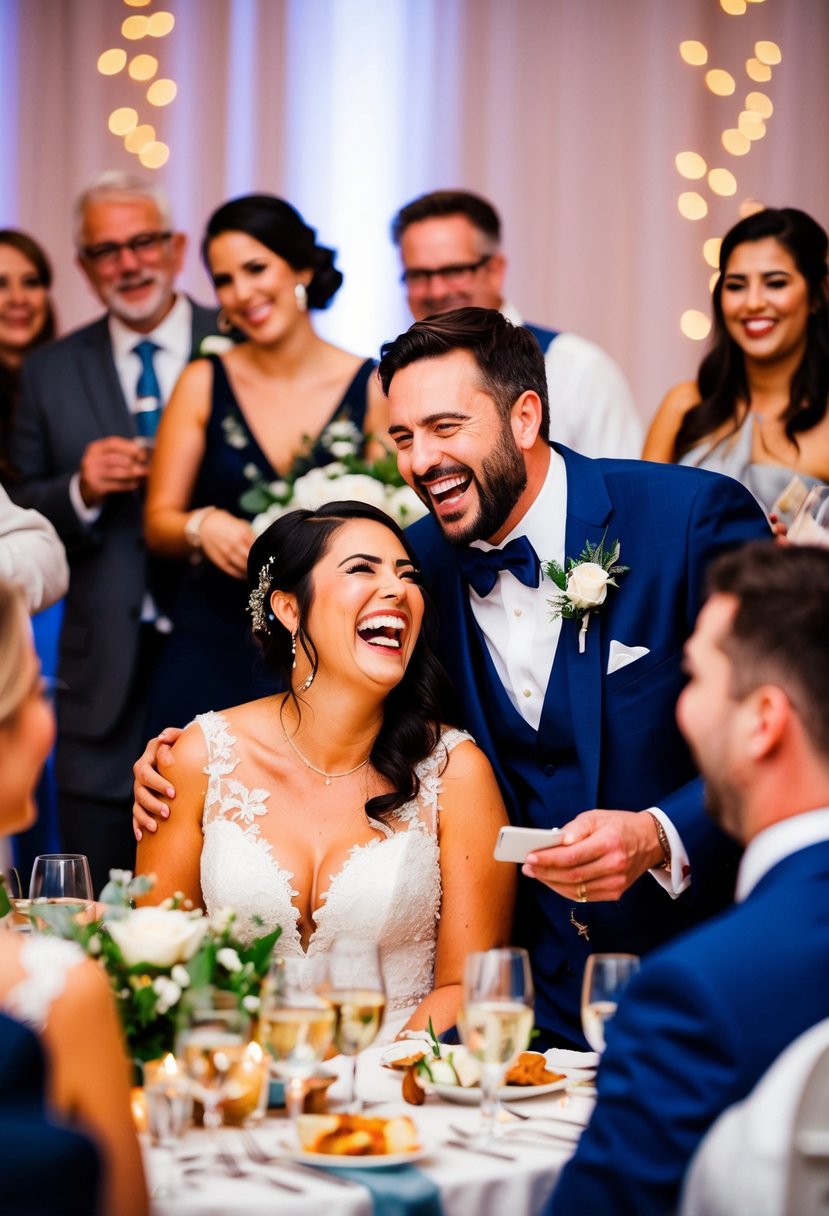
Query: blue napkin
[399, 1190]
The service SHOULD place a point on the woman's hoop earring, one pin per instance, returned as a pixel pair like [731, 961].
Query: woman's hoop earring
[222, 323]
[301, 297]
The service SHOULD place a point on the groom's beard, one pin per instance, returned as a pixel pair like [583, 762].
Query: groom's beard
[502, 481]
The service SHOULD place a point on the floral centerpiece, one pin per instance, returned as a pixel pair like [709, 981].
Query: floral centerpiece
[347, 476]
[159, 958]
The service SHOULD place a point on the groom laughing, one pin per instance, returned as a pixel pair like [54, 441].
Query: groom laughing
[568, 684]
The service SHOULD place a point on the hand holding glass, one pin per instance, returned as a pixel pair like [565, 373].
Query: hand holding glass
[495, 1020]
[604, 978]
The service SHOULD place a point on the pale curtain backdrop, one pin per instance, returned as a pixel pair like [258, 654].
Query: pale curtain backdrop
[568, 114]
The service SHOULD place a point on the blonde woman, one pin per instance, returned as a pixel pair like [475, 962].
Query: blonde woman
[45, 982]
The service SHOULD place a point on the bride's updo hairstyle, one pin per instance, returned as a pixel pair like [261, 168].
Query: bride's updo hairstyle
[284, 559]
[280, 228]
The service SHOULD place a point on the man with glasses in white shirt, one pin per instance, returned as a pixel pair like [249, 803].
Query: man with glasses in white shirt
[450, 250]
[82, 442]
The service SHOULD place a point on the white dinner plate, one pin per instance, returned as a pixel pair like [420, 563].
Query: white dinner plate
[471, 1095]
[375, 1162]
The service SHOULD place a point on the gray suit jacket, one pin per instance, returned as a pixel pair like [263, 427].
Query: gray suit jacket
[71, 396]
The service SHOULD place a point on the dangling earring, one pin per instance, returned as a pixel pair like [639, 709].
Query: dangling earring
[307, 682]
[301, 297]
[222, 323]
[293, 649]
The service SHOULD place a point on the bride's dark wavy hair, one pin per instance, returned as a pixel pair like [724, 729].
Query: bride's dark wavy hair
[289, 551]
[722, 376]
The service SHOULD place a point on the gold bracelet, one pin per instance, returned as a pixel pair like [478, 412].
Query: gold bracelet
[664, 843]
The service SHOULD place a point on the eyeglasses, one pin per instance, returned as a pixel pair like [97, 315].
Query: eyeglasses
[144, 245]
[455, 276]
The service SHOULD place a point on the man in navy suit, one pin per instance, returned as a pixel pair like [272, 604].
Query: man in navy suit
[707, 1015]
[82, 440]
[574, 714]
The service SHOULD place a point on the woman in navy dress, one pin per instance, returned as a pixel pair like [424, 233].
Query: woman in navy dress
[255, 413]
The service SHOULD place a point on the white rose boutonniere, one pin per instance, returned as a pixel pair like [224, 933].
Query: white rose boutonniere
[584, 584]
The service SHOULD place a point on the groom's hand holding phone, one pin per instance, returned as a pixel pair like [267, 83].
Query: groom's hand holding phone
[601, 854]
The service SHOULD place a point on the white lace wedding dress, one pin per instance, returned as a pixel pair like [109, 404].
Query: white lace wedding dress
[387, 891]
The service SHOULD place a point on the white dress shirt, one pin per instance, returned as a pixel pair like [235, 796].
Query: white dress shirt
[591, 405]
[522, 639]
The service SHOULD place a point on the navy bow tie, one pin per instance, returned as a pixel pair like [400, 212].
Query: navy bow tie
[481, 567]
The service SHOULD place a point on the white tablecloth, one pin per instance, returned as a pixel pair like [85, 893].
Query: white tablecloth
[468, 1182]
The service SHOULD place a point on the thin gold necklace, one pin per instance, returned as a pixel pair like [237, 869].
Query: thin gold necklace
[329, 777]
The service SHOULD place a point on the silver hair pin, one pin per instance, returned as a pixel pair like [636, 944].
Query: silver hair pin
[256, 600]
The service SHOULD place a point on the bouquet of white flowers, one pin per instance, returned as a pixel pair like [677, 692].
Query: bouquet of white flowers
[348, 476]
[157, 958]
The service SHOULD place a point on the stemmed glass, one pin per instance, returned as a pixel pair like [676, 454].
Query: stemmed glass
[296, 1022]
[604, 978]
[211, 1045]
[358, 997]
[810, 525]
[61, 878]
[169, 1106]
[495, 1021]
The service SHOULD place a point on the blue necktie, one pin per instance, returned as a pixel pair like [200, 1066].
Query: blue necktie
[481, 567]
[148, 391]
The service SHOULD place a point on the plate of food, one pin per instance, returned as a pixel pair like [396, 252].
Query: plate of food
[454, 1074]
[357, 1141]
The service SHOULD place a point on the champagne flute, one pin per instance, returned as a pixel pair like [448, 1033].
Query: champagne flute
[810, 525]
[211, 1045]
[169, 1105]
[604, 978]
[495, 1020]
[296, 1022]
[358, 997]
[63, 879]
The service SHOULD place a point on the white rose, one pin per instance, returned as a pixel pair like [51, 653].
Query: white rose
[157, 936]
[309, 490]
[587, 585]
[357, 486]
[229, 959]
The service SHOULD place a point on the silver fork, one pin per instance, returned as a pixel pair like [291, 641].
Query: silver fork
[234, 1170]
[520, 1114]
[526, 1135]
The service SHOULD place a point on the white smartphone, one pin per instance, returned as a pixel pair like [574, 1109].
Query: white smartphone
[513, 844]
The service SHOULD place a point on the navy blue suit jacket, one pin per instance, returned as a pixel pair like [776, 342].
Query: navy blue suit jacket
[670, 522]
[694, 1033]
[45, 1169]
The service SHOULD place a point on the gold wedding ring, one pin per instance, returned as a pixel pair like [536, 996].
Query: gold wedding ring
[582, 893]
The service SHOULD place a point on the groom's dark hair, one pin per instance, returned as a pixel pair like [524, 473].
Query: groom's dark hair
[508, 356]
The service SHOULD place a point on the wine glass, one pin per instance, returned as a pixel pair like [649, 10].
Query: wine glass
[495, 1020]
[358, 997]
[169, 1105]
[604, 978]
[62, 878]
[211, 1045]
[296, 1022]
[810, 525]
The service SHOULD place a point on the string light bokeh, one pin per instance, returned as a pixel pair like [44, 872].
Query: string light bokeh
[143, 87]
[746, 129]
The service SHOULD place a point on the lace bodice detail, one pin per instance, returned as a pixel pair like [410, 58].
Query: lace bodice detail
[387, 891]
[46, 961]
